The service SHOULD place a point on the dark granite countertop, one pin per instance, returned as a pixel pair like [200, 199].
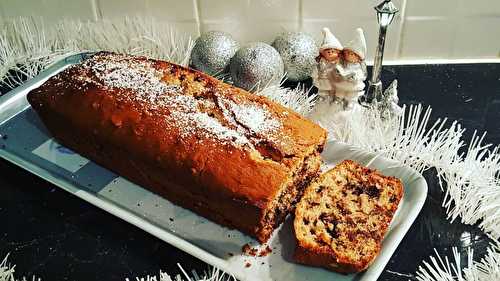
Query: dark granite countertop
[56, 236]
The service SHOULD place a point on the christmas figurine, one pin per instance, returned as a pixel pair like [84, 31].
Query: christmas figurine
[323, 75]
[352, 71]
[340, 76]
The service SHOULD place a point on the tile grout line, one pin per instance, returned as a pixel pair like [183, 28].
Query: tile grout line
[399, 46]
[97, 10]
[454, 18]
[301, 15]
[197, 12]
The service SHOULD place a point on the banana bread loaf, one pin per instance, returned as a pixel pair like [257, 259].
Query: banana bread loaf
[229, 155]
[343, 216]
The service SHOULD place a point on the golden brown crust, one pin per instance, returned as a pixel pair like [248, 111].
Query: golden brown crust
[325, 257]
[343, 216]
[181, 133]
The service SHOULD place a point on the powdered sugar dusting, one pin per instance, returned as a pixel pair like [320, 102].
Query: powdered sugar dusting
[121, 71]
[245, 120]
[201, 122]
[240, 124]
[256, 118]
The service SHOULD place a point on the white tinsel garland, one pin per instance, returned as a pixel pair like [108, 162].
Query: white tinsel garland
[7, 274]
[6, 271]
[440, 269]
[470, 181]
[28, 46]
[298, 99]
[214, 275]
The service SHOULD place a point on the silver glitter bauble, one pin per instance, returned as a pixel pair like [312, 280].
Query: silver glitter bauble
[256, 65]
[298, 51]
[212, 52]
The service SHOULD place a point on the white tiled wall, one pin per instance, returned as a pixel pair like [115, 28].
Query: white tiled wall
[51, 10]
[422, 29]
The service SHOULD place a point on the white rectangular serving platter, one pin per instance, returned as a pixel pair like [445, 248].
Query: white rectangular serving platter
[30, 146]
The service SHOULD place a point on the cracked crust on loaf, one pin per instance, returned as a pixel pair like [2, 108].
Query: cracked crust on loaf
[343, 216]
[234, 157]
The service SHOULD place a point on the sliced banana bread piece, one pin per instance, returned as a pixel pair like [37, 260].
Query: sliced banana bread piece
[342, 218]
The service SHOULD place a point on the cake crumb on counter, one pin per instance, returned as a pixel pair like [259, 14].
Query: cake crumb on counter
[248, 250]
